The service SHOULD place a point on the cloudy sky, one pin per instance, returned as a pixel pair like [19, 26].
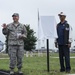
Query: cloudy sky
[28, 11]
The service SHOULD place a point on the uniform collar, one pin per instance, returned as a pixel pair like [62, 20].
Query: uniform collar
[63, 22]
[15, 23]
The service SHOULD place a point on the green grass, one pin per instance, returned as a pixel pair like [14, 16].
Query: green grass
[38, 65]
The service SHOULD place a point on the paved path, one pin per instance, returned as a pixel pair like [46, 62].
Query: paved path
[50, 57]
[4, 58]
[69, 74]
[58, 57]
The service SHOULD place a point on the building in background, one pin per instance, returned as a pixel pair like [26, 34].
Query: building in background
[1, 46]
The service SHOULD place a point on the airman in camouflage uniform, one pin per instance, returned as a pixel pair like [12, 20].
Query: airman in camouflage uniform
[16, 32]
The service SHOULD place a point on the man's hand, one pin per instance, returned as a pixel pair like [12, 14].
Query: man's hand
[56, 45]
[20, 36]
[69, 45]
[4, 25]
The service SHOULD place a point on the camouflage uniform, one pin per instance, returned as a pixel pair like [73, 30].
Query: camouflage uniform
[15, 45]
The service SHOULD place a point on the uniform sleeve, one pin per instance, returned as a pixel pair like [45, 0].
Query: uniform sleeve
[70, 35]
[56, 35]
[24, 32]
[5, 30]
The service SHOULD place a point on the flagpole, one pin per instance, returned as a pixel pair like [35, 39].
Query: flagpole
[38, 30]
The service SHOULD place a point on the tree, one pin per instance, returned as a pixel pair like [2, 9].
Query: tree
[30, 41]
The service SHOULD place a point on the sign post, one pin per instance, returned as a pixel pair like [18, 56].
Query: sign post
[48, 69]
[47, 30]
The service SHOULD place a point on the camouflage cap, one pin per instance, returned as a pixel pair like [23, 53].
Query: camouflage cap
[15, 14]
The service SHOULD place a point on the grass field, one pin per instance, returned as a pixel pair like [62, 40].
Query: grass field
[38, 65]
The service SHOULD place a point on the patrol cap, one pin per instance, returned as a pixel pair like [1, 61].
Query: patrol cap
[62, 14]
[15, 14]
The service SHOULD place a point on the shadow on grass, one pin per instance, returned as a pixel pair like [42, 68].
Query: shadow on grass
[4, 72]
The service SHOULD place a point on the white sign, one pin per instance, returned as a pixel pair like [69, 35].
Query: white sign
[47, 27]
